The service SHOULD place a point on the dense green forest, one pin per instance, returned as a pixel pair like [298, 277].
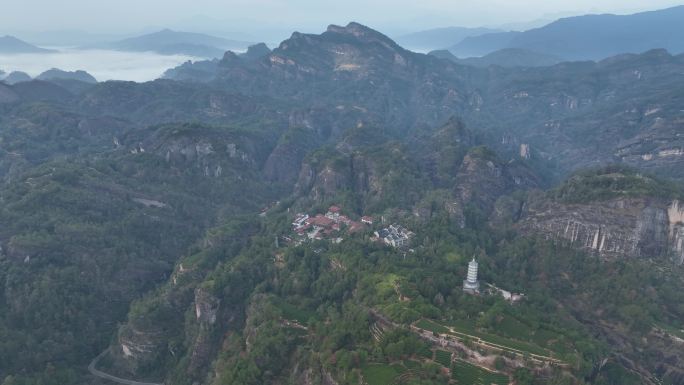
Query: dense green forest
[298, 219]
[346, 310]
[334, 294]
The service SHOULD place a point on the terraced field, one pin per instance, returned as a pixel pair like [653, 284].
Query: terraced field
[443, 357]
[677, 332]
[394, 374]
[467, 374]
[381, 374]
[463, 330]
[470, 329]
[431, 326]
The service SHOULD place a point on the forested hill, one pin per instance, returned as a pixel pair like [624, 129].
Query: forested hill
[307, 215]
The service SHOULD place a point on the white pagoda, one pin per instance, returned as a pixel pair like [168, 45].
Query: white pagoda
[471, 285]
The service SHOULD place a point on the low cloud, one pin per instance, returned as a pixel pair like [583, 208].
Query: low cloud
[103, 65]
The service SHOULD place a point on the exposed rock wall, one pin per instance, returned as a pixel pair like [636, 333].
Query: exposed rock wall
[483, 178]
[138, 347]
[632, 227]
[206, 311]
[675, 216]
[206, 307]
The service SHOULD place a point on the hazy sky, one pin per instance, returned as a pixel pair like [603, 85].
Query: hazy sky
[252, 17]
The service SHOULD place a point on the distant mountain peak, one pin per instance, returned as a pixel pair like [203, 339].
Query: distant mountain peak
[58, 74]
[361, 32]
[15, 77]
[353, 27]
[170, 42]
[588, 37]
[12, 45]
[256, 51]
[439, 38]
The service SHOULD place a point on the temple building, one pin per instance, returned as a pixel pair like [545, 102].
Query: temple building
[471, 285]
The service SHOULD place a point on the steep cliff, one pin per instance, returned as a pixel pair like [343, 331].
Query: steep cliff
[370, 179]
[624, 220]
[483, 177]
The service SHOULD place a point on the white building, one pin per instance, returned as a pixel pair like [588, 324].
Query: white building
[395, 236]
[471, 284]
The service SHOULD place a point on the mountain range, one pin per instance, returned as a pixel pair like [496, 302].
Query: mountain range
[57, 74]
[15, 77]
[169, 42]
[507, 57]
[151, 231]
[590, 37]
[52, 75]
[439, 38]
[11, 45]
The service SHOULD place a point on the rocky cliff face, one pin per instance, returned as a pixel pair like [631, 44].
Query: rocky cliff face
[153, 337]
[206, 312]
[482, 178]
[631, 227]
[444, 159]
[355, 66]
[356, 173]
[137, 349]
[675, 218]
[307, 130]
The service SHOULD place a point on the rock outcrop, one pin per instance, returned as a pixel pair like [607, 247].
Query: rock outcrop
[206, 307]
[621, 227]
[482, 178]
[206, 312]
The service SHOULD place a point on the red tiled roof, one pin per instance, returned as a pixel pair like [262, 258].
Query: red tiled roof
[334, 209]
[355, 226]
[320, 220]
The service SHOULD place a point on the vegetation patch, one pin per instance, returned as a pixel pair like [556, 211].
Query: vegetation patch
[431, 326]
[677, 332]
[443, 357]
[468, 374]
[381, 374]
[294, 313]
[613, 182]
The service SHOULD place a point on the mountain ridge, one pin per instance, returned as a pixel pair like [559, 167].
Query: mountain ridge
[12, 45]
[170, 42]
[439, 38]
[506, 57]
[589, 37]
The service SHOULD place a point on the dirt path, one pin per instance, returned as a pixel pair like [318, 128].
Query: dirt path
[97, 373]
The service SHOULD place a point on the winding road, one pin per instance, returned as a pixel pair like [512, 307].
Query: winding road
[98, 373]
